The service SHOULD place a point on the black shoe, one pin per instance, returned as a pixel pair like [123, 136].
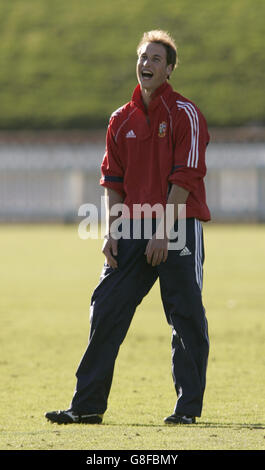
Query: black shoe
[69, 417]
[176, 419]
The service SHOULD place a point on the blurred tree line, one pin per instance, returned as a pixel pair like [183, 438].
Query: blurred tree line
[68, 64]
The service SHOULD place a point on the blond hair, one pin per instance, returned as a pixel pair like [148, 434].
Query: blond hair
[161, 37]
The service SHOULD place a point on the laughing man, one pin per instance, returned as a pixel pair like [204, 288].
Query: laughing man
[155, 154]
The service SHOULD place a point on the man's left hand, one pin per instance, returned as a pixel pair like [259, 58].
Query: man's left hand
[156, 250]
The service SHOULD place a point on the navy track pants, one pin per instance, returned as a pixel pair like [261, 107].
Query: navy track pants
[113, 304]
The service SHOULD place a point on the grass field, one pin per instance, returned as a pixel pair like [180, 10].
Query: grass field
[47, 275]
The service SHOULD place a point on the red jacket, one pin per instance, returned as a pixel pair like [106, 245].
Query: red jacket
[148, 151]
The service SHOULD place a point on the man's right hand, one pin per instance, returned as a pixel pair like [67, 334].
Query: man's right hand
[110, 249]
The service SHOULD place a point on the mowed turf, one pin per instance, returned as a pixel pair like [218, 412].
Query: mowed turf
[47, 275]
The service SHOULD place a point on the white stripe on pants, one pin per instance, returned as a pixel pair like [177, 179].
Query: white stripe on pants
[198, 253]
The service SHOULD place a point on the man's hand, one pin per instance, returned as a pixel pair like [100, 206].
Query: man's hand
[156, 250]
[110, 245]
[110, 249]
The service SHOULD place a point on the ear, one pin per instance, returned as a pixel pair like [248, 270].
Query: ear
[169, 70]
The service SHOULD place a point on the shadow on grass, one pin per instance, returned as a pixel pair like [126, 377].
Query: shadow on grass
[196, 425]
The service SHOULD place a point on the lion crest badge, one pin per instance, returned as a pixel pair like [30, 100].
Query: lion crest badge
[162, 129]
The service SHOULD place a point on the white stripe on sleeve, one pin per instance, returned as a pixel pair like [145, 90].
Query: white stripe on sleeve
[194, 124]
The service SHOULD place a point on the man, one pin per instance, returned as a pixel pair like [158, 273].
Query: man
[155, 154]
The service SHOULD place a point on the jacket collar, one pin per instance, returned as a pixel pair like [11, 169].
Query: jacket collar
[163, 91]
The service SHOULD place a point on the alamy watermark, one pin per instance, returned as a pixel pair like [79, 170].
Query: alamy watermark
[135, 226]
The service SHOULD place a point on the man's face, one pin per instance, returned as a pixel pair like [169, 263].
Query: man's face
[152, 69]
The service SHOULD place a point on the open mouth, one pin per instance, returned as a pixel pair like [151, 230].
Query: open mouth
[147, 74]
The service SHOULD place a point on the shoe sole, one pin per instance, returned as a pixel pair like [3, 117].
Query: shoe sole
[172, 422]
[58, 419]
[64, 419]
[92, 419]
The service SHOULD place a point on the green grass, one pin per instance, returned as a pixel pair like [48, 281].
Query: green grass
[66, 64]
[47, 276]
